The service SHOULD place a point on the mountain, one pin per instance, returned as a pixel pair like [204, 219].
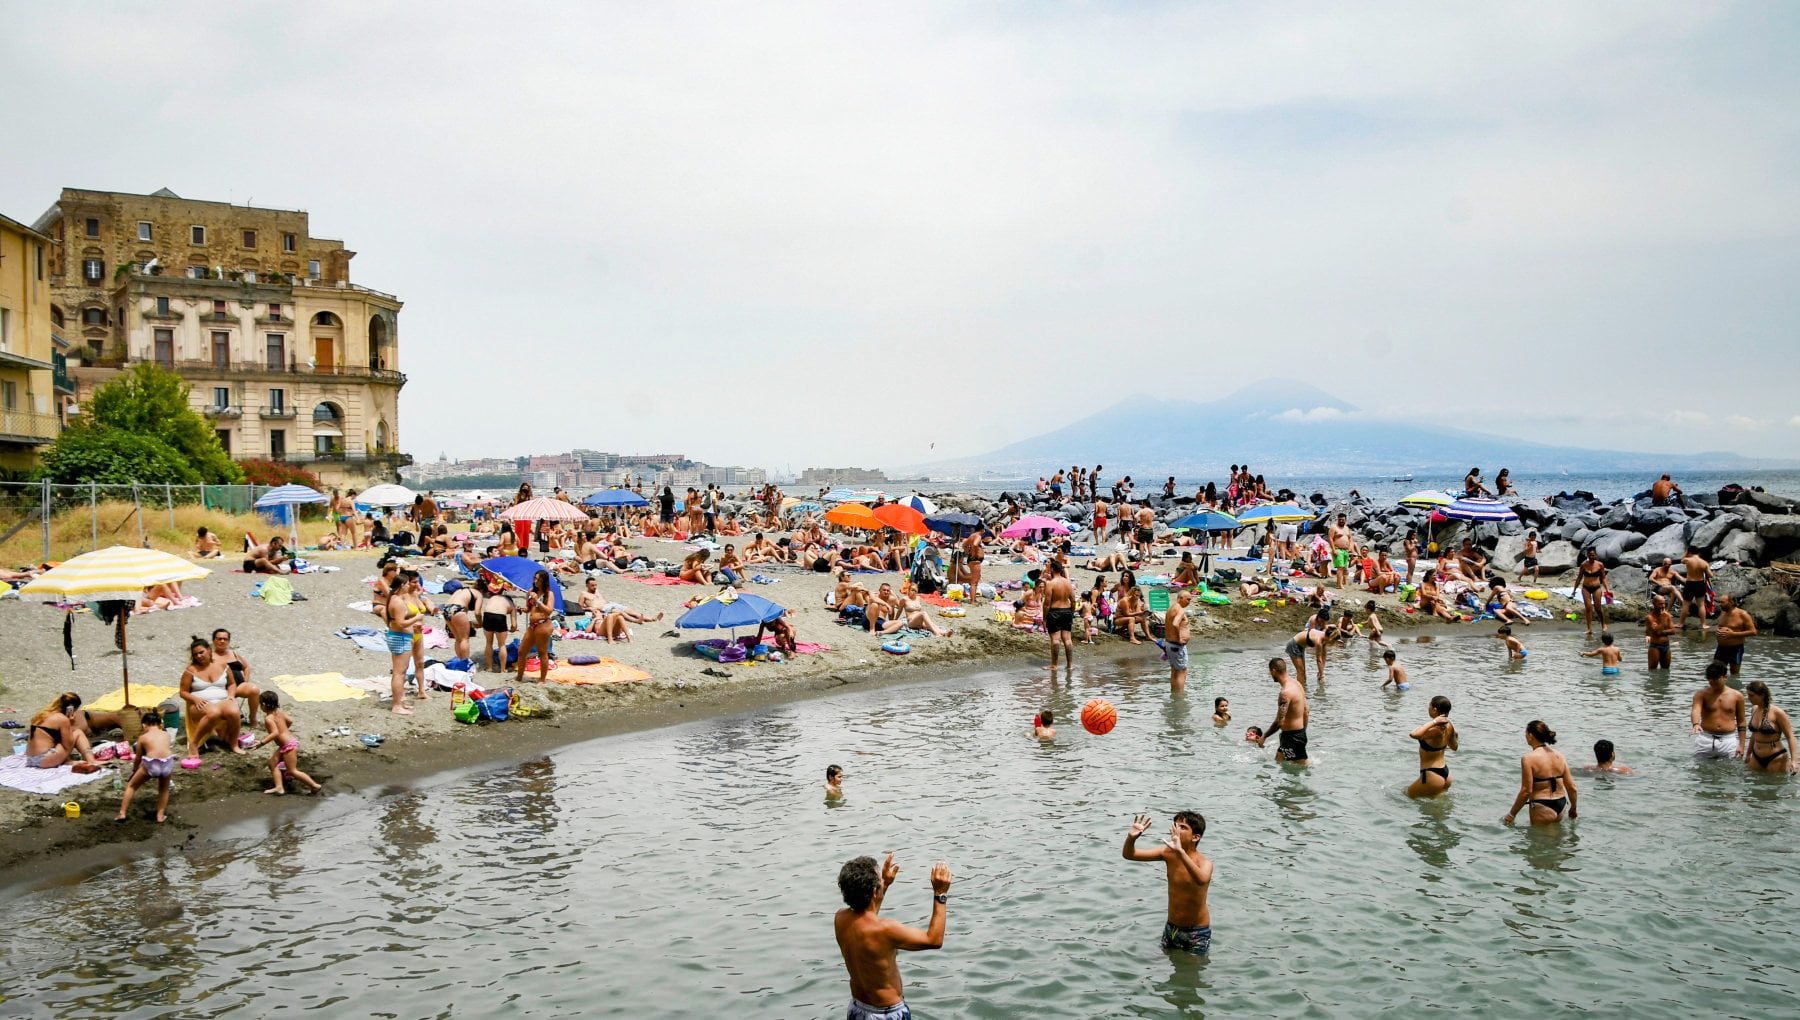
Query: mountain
[1292, 429]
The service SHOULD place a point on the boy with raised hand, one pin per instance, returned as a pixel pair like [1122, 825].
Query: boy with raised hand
[1188, 927]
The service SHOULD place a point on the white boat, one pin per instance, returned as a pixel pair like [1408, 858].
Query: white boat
[1403, 478]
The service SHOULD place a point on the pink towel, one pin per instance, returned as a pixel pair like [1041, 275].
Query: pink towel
[660, 579]
[807, 648]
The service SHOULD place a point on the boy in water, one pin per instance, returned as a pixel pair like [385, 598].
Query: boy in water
[869, 942]
[1608, 653]
[1188, 928]
[1396, 673]
[1373, 621]
[834, 781]
[287, 746]
[1253, 735]
[1603, 760]
[1514, 650]
[155, 760]
[1040, 725]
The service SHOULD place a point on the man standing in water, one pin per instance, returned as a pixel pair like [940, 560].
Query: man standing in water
[1189, 925]
[1290, 716]
[1718, 716]
[1733, 628]
[1175, 641]
[1059, 614]
[869, 941]
[1659, 626]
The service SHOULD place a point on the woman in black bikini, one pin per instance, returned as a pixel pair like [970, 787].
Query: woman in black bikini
[1544, 780]
[1434, 738]
[1769, 726]
[54, 737]
[1594, 587]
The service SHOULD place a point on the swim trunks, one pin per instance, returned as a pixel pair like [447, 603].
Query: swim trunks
[1715, 745]
[1693, 591]
[860, 1010]
[1531, 563]
[1294, 651]
[1293, 745]
[1730, 655]
[1196, 940]
[1609, 671]
[399, 642]
[1145, 536]
[158, 768]
[1340, 559]
[493, 623]
[1059, 620]
[1178, 656]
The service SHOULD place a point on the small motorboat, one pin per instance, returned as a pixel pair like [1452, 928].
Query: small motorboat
[1403, 478]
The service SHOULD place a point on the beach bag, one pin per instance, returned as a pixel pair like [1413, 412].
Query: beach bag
[512, 651]
[497, 707]
[733, 652]
[466, 711]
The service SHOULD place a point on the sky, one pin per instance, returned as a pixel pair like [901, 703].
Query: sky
[792, 234]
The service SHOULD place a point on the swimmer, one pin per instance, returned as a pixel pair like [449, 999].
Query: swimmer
[1514, 650]
[1717, 713]
[869, 942]
[1605, 761]
[1434, 738]
[1609, 654]
[1221, 711]
[1543, 767]
[1040, 725]
[1188, 927]
[1769, 727]
[1253, 735]
[834, 781]
[1290, 716]
[1396, 673]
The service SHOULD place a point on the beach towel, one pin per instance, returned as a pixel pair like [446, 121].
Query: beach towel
[361, 607]
[366, 642]
[276, 591]
[142, 695]
[660, 579]
[185, 602]
[316, 687]
[16, 774]
[605, 671]
[809, 648]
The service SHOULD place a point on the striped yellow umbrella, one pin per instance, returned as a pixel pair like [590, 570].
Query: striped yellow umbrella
[120, 574]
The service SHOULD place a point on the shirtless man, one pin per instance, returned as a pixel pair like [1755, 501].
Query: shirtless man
[848, 592]
[1059, 615]
[1175, 641]
[1693, 588]
[1343, 547]
[1733, 627]
[1662, 489]
[870, 942]
[1099, 521]
[760, 550]
[1146, 530]
[266, 559]
[1659, 626]
[1188, 928]
[206, 545]
[1290, 717]
[1718, 717]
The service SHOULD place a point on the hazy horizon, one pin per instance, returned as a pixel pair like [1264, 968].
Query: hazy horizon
[735, 232]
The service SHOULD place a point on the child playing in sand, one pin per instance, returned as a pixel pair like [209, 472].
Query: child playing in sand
[1396, 673]
[1609, 655]
[155, 760]
[287, 746]
[1040, 725]
[1514, 650]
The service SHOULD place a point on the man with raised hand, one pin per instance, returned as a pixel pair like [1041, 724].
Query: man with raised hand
[870, 942]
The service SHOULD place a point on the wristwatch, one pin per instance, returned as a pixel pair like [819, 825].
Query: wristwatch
[941, 897]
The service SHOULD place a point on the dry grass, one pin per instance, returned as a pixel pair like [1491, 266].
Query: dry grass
[72, 533]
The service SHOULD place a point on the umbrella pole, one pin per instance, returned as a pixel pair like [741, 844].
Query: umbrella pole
[125, 658]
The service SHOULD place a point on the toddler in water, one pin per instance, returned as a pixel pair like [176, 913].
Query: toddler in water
[1609, 655]
[1040, 725]
[834, 781]
[1514, 650]
[1396, 673]
[287, 746]
[1221, 711]
[1253, 735]
[156, 759]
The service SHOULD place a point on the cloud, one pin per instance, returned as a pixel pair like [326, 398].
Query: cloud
[1794, 422]
[1691, 418]
[1316, 414]
[1739, 421]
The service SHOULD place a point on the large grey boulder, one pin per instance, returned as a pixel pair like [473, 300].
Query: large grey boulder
[1613, 545]
[1667, 542]
[1708, 535]
[1508, 552]
[1768, 502]
[1572, 528]
[1616, 517]
[1736, 581]
[1556, 558]
[1745, 547]
[1629, 582]
[1650, 520]
[1773, 609]
[1779, 526]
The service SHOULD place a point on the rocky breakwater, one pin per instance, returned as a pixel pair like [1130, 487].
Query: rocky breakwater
[1743, 533]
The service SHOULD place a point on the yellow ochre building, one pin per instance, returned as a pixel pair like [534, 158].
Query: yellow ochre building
[29, 362]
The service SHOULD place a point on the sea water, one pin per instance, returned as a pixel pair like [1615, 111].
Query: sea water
[691, 871]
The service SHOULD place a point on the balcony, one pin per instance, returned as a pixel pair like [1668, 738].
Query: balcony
[215, 368]
[35, 429]
[222, 412]
[277, 413]
[59, 375]
[388, 459]
[300, 281]
[10, 359]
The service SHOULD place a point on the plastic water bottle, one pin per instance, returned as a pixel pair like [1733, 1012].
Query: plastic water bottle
[118, 781]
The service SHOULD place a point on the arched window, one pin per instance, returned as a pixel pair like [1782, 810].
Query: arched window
[378, 341]
[328, 412]
[93, 316]
[328, 429]
[381, 435]
[56, 316]
[326, 319]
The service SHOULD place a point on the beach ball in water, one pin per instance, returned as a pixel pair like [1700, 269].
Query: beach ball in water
[1098, 716]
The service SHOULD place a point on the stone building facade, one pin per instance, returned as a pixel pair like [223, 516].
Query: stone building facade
[29, 418]
[287, 358]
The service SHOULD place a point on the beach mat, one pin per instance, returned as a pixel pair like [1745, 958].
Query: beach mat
[317, 687]
[16, 774]
[142, 695]
[660, 579]
[606, 671]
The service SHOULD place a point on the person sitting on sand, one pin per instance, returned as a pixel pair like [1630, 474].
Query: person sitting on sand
[1133, 612]
[508, 544]
[1500, 603]
[267, 559]
[912, 615]
[759, 550]
[240, 671]
[1187, 573]
[781, 634]
[206, 545]
[155, 749]
[1028, 610]
[157, 596]
[848, 592]
[287, 747]
[1384, 576]
[693, 567]
[53, 738]
[1430, 602]
[731, 566]
[207, 688]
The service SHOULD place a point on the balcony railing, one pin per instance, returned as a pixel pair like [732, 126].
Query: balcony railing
[387, 459]
[32, 427]
[301, 281]
[222, 412]
[59, 375]
[277, 412]
[257, 369]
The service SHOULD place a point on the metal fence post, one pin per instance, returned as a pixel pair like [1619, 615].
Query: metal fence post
[94, 513]
[169, 498]
[45, 508]
[137, 503]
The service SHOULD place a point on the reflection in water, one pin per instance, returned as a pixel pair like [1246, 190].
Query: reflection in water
[1432, 839]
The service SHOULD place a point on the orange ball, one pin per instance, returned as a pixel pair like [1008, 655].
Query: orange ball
[1098, 716]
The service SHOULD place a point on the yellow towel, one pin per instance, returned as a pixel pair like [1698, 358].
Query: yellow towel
[606, 671]
[317, 687]
[142, 696]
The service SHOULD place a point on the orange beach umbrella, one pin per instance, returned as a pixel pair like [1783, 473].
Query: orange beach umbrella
[901, 518]
[853, 515]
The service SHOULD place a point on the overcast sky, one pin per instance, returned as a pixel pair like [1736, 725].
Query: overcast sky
[787, 234]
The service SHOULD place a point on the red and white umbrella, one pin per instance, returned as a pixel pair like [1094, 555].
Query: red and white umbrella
[544, 508]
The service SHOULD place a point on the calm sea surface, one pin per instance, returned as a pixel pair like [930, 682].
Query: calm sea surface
[691, 871]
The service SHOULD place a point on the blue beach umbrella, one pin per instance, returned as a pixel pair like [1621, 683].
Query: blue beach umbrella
[1206, 520]
[803, 507]
[954, 523]
[288, 495]
[729, 611]
[921, 504]
[843, 494]
[517, 572]
[615, 497]
[1479, 510]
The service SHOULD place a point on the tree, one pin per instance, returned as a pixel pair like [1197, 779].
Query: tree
[150, 401]
[87, 453]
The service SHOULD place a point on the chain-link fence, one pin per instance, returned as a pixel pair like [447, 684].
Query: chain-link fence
[81, 518]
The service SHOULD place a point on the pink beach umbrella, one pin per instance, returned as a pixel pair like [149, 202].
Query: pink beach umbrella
[1029, 525]
[544, 508]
